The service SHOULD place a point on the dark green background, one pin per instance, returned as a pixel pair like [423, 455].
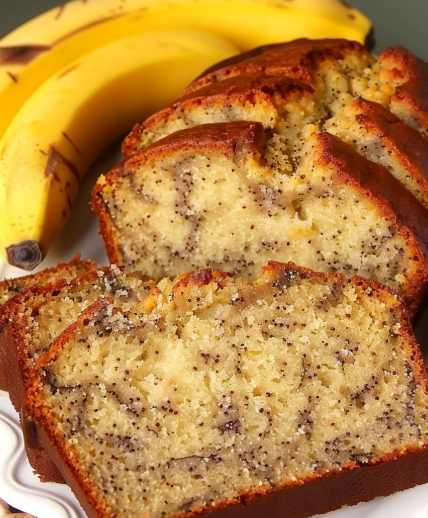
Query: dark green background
[397, 22]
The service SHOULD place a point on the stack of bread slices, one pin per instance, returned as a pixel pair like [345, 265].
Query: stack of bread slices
[282, 377]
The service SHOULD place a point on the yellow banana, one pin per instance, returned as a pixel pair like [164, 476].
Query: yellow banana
[52, 124]
[70, 119]
[32, 53]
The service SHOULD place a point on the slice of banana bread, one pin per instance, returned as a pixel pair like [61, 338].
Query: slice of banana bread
[398, 79]
[10, 287]
[34, 317]
[294, 394]
[380, 136]
[277, 102]
[230, 197]
[303, 59]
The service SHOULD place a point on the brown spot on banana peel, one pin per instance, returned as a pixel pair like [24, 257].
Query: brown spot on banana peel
[22, 54]
[60, 11]
[71, 142]
[14, 77]
[54, 157]
[26, 254]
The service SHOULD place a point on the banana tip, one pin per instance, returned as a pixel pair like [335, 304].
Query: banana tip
[26, 254]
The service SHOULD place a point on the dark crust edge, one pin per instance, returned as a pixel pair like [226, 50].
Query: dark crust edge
[40, 277]
[14, 363]
[38, 456]
[106, 228]
[316, 494]
[295, 59]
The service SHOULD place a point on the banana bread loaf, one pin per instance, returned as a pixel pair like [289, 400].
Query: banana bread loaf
[185, 200]
[287, 86]
[34, 317]
[228, 196]
[294, 394]
[10, 287]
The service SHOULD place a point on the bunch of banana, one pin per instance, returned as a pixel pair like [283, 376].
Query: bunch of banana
[82, 74]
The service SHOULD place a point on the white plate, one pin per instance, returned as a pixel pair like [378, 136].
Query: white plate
[23, 490]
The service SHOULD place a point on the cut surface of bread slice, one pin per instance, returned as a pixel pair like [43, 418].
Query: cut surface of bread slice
[10, 287]
[296, 393]
[227, 196]
[33, 319]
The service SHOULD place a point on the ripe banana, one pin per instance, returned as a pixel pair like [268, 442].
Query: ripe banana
[39, 60]
[35, 51]
[69, 120]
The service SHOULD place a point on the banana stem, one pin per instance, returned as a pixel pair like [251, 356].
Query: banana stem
[26, 254]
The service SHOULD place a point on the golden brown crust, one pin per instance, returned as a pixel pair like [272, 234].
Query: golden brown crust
[317, 495]
[297, 59]
[330, 491]
[399, 64]
[245, 88]
[2, 378]
[229, 139]
[10, 287]
[107, 229]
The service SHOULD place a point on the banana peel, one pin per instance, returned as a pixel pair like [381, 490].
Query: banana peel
[68, 88]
